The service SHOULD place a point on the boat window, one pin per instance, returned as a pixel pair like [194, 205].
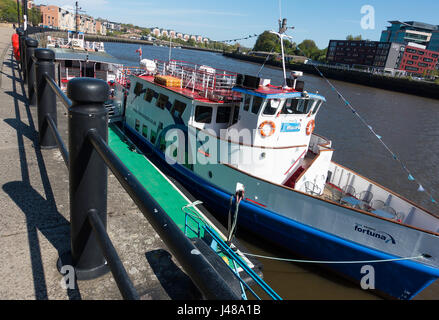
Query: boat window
[178, 108]
[271, 107]
[235, 114]
[161, 101]
[257, 101]
[316, 107]
[203, 114]
[68, 63]
[297, 106]
[223, 115]
[145, 131]
[137, 126]
[247, 102]
[149, 94]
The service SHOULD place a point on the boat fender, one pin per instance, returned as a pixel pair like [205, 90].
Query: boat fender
[310, 127]
[263, 131]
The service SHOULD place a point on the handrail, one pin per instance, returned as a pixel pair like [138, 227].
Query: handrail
[206, 278]
[64, 99]
[121, 277]
[61, 146]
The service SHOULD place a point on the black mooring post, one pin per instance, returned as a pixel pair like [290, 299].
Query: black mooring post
[21, 37]
[46, 98]
[31, 45]
[87, 174]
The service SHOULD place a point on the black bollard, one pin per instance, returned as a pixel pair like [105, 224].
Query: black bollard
[31, 45]
[46, 98]
[87, 174]
[21, 37]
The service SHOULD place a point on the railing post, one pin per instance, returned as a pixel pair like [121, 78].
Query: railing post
[87, 173]
[31, 45]
[46, 98]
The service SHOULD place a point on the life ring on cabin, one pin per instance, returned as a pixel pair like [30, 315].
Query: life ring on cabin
[264, 132]
[310, 127]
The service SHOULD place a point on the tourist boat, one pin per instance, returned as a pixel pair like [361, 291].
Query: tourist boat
[76, 57]
[217, 131]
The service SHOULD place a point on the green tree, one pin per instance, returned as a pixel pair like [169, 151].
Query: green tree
[351, 37]
[270, 42]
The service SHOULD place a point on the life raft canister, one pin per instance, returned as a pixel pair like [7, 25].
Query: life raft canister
[16, 46]
[310, 127]
[263, 128]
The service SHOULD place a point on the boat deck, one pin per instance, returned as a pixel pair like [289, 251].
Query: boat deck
[161, 188]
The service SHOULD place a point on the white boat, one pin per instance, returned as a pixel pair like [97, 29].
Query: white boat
[213, 130]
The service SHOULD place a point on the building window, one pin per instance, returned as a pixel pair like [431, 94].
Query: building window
[428, 60]
[137, 126]
[203, 114]
[415, 57]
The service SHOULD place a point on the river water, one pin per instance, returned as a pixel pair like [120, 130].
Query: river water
[408, 125]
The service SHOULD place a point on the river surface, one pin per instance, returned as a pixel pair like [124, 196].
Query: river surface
[408, 124]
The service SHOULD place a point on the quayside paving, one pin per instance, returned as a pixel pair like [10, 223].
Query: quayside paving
[34, 214]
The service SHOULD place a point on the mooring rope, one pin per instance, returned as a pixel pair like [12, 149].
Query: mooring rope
[331, 262]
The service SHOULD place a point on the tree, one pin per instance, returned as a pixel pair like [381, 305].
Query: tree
[352, 38]
[270, 42]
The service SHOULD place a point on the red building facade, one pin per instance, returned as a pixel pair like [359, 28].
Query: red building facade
[419, 61]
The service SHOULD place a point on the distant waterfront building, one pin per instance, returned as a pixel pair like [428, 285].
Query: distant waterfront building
[389, 57]
[358, 52]
[418, 61]
[412, 32]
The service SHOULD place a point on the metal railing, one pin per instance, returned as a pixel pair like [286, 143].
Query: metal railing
[88, 158]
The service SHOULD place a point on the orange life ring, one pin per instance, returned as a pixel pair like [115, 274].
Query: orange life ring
[262, 131]
[310, 127]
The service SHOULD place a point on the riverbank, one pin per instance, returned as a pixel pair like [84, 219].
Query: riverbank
[420, 88]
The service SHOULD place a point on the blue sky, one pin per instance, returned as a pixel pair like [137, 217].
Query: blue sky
[320, 20]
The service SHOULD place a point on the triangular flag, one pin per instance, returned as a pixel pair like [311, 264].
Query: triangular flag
[411, 178]
[378, 136]
[432, 200]
[421, 189]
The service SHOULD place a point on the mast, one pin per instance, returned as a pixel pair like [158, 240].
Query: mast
[281, 34]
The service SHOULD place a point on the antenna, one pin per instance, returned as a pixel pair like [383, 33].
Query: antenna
[78, 10]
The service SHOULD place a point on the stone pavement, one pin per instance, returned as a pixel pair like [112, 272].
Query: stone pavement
[34, 213]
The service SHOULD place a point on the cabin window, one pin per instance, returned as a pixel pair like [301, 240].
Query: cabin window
[203, 114]
[247, 102]
[316, 107]
[161, 101]
[297, 106]
[271, 107]
[235, 114]
[138, 89]
[178, 108]
[68, 63]
[137, 125]
[223, 115]
[145, 131]
[149, 94]
[257, 101]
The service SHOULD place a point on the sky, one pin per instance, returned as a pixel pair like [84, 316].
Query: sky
[319, 20]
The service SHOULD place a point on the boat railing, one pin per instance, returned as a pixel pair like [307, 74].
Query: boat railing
[195, 226]
[209, 82]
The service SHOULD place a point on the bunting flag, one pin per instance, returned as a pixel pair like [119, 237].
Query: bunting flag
[139, 51]
[394, 156]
